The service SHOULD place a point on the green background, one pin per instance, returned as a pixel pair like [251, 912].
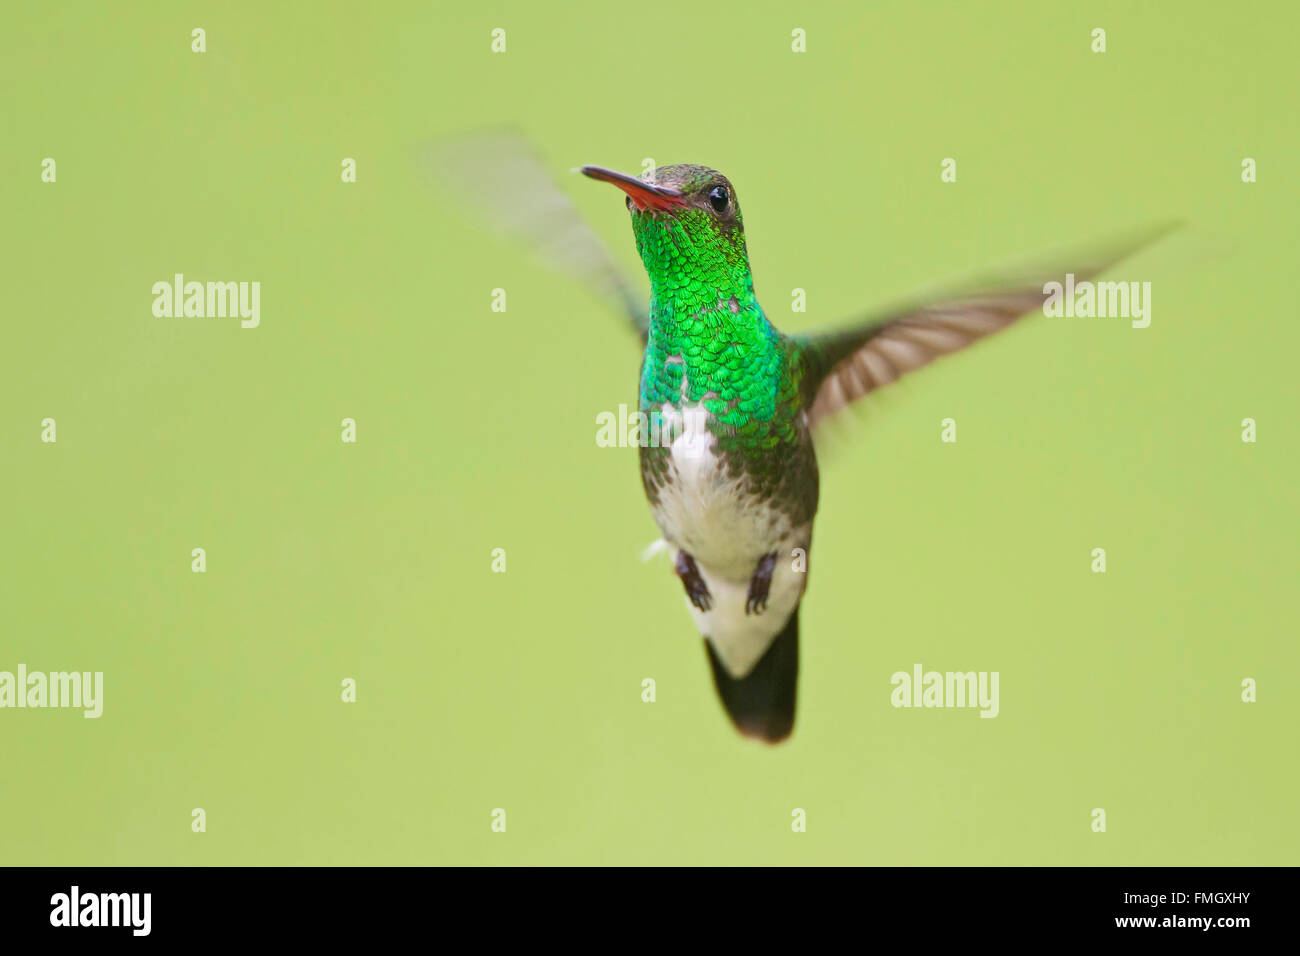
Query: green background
[476, 431]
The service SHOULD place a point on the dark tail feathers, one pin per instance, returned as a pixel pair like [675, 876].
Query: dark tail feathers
[761, 704]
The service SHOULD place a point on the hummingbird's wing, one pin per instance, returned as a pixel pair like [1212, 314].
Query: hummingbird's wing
[501, 180]
[842, 366]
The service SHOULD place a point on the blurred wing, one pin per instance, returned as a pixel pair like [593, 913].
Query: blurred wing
[842, 366]
[500, 179]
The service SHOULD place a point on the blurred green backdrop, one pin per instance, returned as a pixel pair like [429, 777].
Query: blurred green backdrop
[476, 431]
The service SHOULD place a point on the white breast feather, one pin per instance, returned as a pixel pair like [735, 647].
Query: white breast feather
[716, 519]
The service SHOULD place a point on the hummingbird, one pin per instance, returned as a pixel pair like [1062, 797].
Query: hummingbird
[732, 481]
[733, 484]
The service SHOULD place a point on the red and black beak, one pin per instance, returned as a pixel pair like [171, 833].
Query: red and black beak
[644, 195]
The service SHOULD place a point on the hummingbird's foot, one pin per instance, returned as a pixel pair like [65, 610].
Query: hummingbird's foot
[760, 584]
[696, 589]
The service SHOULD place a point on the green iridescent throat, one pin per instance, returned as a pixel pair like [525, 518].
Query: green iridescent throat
[705, 322]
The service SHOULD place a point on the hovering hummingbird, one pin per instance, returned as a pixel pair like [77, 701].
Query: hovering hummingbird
[733, 481]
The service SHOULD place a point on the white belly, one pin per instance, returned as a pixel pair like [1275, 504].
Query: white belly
[715, 518]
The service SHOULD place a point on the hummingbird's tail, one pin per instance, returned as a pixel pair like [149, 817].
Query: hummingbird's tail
[761, 704]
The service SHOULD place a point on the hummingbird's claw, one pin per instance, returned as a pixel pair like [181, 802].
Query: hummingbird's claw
[696, 590]
[760, 584]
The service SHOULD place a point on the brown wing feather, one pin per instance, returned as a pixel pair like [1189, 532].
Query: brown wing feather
[912, 341]
[843, 366]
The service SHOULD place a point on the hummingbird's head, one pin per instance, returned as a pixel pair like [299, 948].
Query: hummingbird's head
[687, 225]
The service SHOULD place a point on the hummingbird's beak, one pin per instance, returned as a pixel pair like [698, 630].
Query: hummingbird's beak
[643, 194]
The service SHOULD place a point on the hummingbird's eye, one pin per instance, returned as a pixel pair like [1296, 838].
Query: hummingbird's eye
[719, 198]
[629, 203]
